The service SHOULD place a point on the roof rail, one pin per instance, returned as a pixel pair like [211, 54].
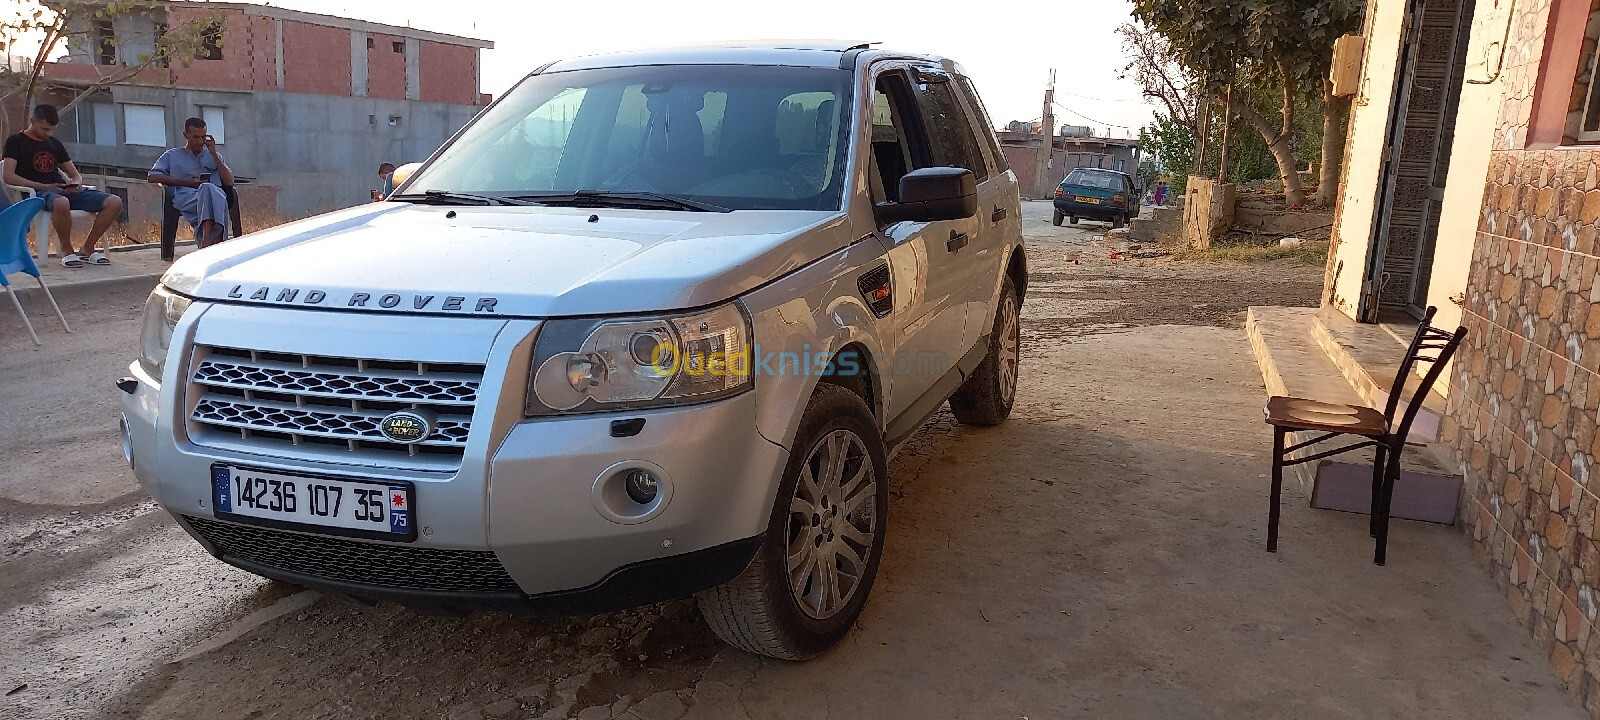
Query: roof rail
[847, 61]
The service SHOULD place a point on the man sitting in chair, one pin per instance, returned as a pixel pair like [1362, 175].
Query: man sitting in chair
[197, 175]
[34, 159]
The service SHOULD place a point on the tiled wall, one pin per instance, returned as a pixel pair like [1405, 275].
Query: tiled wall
[1526, 385]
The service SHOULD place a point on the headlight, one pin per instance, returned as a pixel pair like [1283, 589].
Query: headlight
[161, 313]
[596, 365]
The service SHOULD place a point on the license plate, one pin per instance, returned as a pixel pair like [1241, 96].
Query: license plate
[336, 506]
[1089, 201]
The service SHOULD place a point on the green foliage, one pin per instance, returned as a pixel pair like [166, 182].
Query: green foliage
[1173, 142]
[1223, 42]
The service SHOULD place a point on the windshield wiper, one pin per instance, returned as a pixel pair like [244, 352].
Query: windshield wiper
[446, 197]
[622, 198]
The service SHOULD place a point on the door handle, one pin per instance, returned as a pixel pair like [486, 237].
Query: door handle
[999, 214]
[957, 241]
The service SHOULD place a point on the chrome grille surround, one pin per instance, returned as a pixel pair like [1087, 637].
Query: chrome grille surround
[329, 407]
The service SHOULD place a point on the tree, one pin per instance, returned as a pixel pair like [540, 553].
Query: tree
[1172, 142]
[61, 22]
[1159, 77]
[1279, 48]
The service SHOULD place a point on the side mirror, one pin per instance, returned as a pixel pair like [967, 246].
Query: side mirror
[929, 194]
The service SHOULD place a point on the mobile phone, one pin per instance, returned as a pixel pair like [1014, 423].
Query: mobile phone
[205, 177]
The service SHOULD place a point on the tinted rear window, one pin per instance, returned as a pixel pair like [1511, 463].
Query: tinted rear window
[1096, 180]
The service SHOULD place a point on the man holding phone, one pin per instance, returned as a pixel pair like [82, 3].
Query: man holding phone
[197, 176]
[34, 159]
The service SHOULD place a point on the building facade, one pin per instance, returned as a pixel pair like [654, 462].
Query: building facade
[1068, 152]
[1483, 200]
[302, 104]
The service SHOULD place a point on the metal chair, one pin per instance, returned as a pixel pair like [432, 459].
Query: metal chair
[14, 257]
[1377, 430]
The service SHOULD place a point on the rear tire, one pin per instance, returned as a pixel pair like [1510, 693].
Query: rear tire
[761, 611]
[986, 397]
[1057, 218]
[1119, 221]
[1074, 219]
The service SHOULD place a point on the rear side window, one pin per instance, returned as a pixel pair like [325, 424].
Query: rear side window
[948, 130]
[985, 124]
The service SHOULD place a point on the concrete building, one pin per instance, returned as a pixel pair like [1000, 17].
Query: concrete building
[304, 106]
[1472, 184]
[1022, 153]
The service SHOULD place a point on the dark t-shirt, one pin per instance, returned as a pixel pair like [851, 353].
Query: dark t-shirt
[37, 160]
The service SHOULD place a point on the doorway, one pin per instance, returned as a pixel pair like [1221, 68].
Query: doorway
[1416, 165]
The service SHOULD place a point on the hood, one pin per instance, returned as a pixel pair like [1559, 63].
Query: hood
[509, 261]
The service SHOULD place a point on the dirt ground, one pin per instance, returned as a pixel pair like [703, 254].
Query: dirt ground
[1099, 555]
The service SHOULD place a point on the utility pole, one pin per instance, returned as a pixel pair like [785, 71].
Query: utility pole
[1047, 143]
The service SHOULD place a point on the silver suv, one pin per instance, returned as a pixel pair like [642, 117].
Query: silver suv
[649, 327]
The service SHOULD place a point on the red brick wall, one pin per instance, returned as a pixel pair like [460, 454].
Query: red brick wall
[316, 59]
[449, 73]
[386, 69]
[248, 43]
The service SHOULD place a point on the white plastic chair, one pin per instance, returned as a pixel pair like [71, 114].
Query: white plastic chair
[42, 225]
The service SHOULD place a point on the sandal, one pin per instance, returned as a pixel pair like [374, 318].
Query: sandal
[98, 258]
[72, 261]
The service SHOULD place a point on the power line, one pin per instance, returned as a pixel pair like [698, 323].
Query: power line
[1108, 100]
[1090, 119]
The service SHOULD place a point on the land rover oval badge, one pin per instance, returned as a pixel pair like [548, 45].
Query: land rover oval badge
[407, 426]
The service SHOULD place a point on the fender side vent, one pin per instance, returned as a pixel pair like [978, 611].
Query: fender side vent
[876, 290]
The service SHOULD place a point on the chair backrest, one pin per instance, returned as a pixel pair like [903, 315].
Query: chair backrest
[1442, 346]
[14, 223]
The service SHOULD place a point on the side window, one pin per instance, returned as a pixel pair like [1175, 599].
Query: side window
[986, 125]
[948, 130]
[898, 146]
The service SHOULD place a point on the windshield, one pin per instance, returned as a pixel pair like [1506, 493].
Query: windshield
[1097, 180]
[737, 136]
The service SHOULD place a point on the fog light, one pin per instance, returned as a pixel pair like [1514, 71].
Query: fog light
[641, 486]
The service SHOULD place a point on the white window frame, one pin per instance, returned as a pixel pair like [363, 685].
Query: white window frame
[216, 117]
[137, 124]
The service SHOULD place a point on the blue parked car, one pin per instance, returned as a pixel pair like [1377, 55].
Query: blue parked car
[1105, 195]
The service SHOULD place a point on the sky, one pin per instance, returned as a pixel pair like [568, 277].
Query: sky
[1006, 49]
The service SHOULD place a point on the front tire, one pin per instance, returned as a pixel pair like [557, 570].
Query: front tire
[819, 556]
[986, 397]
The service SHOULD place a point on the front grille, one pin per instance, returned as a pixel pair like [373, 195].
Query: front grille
[401, 567]
[330, 406]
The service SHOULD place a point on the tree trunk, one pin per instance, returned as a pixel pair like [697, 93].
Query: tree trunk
[1283, 148]
[1202, 134]
[1227, 136]
[1335, 117]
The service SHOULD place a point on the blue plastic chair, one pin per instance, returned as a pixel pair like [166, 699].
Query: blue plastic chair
[14, 257]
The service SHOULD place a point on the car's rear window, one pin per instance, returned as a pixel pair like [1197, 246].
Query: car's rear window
[1096, 180]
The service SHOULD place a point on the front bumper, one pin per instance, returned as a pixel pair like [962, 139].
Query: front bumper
[524, 519]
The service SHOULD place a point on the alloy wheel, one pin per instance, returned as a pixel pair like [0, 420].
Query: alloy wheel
[832, 520]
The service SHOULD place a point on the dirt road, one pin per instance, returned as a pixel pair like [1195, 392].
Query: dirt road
[1100, 555]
